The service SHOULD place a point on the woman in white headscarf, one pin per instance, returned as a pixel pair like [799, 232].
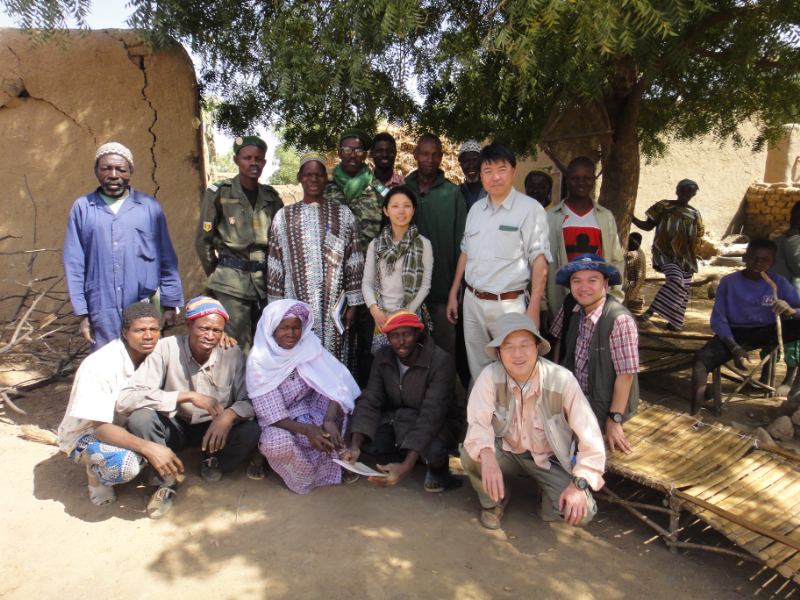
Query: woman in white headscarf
[301, 395]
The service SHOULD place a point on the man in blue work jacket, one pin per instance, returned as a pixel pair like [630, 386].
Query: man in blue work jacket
[117, 251]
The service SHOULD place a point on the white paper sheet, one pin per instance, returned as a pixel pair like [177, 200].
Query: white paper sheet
[359, 468]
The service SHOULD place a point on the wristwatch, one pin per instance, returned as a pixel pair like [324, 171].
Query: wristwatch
[616, 417]
[580, 483]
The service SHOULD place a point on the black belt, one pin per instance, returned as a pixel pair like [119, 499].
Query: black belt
[242, 264]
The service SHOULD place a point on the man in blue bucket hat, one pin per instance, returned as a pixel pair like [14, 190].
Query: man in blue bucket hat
[600, 345]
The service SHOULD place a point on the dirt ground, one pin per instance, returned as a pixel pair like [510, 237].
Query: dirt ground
[246, 539]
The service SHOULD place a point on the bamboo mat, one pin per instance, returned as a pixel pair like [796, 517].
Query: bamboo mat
[670, 449]
[719, 466]
[764, 489]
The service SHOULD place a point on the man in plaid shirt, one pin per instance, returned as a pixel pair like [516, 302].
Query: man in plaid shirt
[600, 344]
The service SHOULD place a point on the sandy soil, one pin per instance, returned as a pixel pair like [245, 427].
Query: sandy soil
[246, 539]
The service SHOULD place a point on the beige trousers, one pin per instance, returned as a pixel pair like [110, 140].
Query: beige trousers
[479, 319]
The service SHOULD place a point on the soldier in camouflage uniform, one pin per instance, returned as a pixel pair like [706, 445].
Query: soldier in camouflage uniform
[232, 237]
[354, 185]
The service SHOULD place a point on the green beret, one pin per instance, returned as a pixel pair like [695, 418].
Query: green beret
[365, 138]
[248, 140]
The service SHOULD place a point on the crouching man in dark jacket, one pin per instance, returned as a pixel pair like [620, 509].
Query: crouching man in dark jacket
[409, 407]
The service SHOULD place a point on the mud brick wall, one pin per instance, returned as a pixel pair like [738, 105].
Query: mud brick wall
[768, 206]
[57, 106]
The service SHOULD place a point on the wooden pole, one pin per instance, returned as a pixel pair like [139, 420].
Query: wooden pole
[777, 317]
[755, 527]
[675, 335]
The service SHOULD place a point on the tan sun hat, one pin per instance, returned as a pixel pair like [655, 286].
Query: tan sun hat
[509, 323]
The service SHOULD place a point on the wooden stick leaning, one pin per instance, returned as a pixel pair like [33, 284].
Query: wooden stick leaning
[777, 317]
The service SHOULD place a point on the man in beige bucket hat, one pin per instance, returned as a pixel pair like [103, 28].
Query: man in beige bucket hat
[527, 416]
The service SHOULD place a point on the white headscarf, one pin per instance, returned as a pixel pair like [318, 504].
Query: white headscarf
[268, 365]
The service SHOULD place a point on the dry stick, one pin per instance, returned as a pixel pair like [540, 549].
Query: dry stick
[8, 401]
[35, 219]
[777, 317]
[237, 507]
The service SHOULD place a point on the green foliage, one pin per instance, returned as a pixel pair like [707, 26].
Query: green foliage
[222, 164]
[483, 68]
[47, 19]
[286, 174]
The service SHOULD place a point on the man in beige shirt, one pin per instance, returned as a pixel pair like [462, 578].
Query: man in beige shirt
[504, 253]
[524, 414]
[190, 392]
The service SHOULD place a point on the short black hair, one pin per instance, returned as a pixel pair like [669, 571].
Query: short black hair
[139, 310]
[634, 241]
[581, 161]
[495, 153]
[761, 244]
[401, 189]
[795, 209]
[430, 137]
[384, 136]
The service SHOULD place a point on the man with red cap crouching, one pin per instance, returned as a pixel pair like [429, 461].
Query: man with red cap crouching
[409, 407]
[190, 392]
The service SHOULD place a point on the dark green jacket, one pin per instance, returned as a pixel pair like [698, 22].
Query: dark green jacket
[602, 375]
[231, 226]
[441, 217]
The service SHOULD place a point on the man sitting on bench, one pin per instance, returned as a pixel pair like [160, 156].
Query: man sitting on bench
[744, 317]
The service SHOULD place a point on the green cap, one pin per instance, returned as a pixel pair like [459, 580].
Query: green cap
[248, 140]
[357, 133]
[543, 172]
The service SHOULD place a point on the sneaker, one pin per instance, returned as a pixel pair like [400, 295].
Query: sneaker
[492, 517]
[210, 470]
[161, 502]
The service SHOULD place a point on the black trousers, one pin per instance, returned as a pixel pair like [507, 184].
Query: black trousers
[178, 435]
[716, 353]
[385, 446]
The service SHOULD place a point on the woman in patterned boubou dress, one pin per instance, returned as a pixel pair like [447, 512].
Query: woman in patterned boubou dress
[679, 228]
[302, 397]
[314, 256]
[397, 271]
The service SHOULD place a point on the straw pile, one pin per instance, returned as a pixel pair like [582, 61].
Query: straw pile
[37, 434]
[405, 162]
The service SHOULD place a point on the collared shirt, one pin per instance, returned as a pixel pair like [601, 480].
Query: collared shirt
[440, 216]
[113, 260]
[526, 433]
[94, 393]
[162, 376]
[501, 245]
[624, 342]
[229, 224]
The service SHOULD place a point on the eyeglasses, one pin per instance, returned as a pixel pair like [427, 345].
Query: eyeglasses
[348, 151]
[523, 347]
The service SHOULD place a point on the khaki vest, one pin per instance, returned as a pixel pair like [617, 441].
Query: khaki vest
[549, 406]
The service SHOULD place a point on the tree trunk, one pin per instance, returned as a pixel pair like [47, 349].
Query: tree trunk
[621, 165]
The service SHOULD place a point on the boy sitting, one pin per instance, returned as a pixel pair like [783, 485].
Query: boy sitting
[744, 317]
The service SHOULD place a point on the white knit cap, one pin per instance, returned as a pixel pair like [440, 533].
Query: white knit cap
[470, 146]
[114, 148]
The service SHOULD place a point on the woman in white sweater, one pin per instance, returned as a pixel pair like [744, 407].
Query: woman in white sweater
[397, 272]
